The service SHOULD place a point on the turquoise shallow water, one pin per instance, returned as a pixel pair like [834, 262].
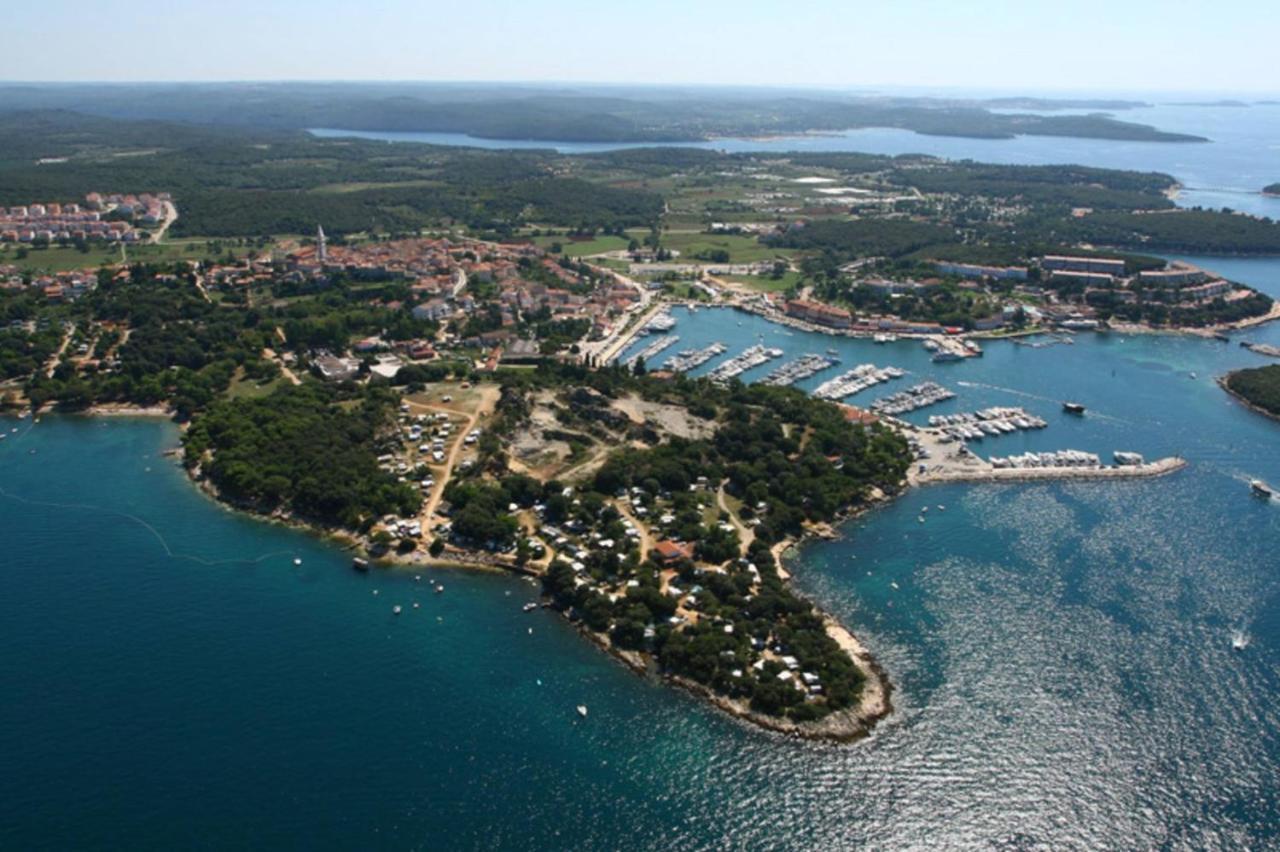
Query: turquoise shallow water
[1061, 653]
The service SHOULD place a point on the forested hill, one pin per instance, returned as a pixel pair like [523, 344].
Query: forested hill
[588, 115]
[238, 181]
[1273, 189]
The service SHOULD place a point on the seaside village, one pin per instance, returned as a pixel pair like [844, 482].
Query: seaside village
[1059, 291]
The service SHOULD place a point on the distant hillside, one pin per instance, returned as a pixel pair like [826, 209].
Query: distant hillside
[1273, 189]
[581, 115]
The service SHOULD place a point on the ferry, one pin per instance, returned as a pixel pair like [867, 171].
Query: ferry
[1073, 408]
[1261, 489]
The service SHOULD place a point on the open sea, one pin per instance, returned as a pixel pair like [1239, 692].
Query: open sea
[1061, 653]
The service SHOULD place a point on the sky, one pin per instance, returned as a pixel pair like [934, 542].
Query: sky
[1004, 45]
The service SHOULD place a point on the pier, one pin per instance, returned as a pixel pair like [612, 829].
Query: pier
[664, 342]
[801, 368]
[856, 380]
[941, 462]
[981, 471]
[752, 357]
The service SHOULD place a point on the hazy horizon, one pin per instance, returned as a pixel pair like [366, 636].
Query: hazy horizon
[1143, 46]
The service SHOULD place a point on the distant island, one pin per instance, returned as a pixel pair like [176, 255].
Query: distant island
[1271, 189]
[1257, 387]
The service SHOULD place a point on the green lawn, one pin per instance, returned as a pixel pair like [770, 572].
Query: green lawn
[766, 284]
[242, 388]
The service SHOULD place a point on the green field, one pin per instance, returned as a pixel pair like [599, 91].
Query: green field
[742, 249]
[766, 284]
[62, 259]
[582, 248]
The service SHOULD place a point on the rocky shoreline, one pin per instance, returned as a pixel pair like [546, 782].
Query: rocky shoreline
[1223, 382]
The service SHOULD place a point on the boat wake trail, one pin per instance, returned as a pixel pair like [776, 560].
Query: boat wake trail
[168, 551]
[1038, 397]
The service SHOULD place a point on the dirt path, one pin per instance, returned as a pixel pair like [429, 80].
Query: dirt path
[271, 355]
[646, 538]
[170, 216]
[57, 356]
[488, 402]
[746, 535]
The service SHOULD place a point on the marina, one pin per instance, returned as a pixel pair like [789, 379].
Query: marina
[750, 359]
[974, 426]
[662, 343]
[691, 359]
[857, 380]
[801, 368]
[913, 398]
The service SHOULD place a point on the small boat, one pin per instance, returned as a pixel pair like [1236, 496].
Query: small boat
[1220, 336]
[1073, 408]
[832, 351]
[530, 606]
[360, 564]
[1239, 640]
[416, 604]
[297, 561]
[894, 584]
[1261, 489]
[941, 508]
[582, 710]
[439, 590]
[396, 610]
[944, 357]
[920, 519]
[1193, 375]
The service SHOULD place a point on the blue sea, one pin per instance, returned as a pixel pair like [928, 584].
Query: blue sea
[1061, 653]
[1229, 171]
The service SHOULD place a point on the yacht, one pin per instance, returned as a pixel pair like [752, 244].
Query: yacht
[1073, 408]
